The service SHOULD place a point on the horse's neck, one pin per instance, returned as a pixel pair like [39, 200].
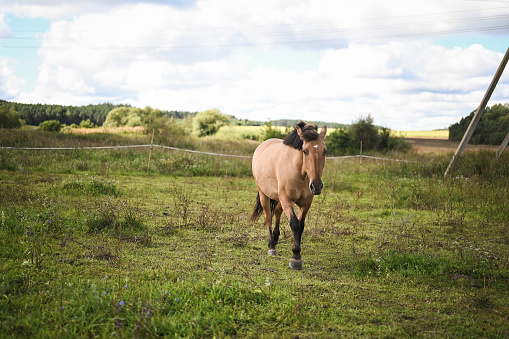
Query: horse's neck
[302, 166]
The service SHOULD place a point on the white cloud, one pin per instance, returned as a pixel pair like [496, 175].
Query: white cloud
[63, 10]
[193, 59]
[4, 27]
[10, 84]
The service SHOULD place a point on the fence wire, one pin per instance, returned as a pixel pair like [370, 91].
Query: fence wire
[185, 150]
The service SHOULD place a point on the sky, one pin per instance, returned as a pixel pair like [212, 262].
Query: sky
[411, 65]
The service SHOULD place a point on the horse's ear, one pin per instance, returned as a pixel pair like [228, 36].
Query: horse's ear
[323, 132]
[299, 131]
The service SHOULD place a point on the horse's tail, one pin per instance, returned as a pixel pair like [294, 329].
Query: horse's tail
[258, 209]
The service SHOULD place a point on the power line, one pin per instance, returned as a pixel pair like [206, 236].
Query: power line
[287, 36]
[208, 28]
[306, 32]
[287, 42]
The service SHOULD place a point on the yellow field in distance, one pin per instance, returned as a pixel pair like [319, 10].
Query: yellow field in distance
[435, 134]
[239, 132]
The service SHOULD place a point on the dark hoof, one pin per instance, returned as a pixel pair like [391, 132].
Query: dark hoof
[272, 252]
[296, 264]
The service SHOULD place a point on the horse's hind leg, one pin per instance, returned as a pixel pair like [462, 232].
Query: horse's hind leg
[265, 202]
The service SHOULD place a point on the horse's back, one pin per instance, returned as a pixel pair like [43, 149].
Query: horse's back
[265, 159]
[267, 149]
[265, 155]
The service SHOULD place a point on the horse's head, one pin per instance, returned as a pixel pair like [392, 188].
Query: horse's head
[313, 150]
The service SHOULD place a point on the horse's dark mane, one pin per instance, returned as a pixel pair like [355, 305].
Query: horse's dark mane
[309, 133]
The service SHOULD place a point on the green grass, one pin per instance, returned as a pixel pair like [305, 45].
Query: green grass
[93, 246]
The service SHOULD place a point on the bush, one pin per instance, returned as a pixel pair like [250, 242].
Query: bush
[86, 124]
[269, 132]
[340, 142]
[366, 132]
[148, 117]
[50, 126]
[9, 118]
[389, 143]
[348, 141]
[209, 122]
[123, 116]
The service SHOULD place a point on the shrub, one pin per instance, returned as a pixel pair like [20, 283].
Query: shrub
[209, 122]
[86, 124]
[366, 132]
[123, 116]
[270, 132]
[50, 126]
[348, 141]
[9, 118]
[340, 142]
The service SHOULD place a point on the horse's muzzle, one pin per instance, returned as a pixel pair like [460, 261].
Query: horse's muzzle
[316, 188]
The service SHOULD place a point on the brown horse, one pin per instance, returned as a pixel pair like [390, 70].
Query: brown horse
[286, 173]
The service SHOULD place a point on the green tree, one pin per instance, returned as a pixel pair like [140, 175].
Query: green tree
[187, 124]
[348, 140]
[209, 122]
[9, 118]
[270, 132]
[123, 116]
[389, 143]
[50, 126]
[86, 124]
[492, 127]
[153, 119]
[340, 141]
[364, 130]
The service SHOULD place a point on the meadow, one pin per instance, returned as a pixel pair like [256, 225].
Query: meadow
[104, 243]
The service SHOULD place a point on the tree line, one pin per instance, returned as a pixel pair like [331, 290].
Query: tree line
[95, 115]
[35, 114]
[491, 130]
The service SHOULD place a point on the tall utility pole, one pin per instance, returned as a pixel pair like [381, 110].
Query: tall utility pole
[478, 114]
[502, 146]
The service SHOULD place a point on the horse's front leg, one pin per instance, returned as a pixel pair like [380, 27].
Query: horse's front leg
[296, 263]
[303, 211]
[296, 260]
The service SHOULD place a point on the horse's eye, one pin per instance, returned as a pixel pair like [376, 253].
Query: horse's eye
[324, 152]
[305, 152]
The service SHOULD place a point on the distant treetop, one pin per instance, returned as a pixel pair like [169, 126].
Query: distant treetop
[491, 130]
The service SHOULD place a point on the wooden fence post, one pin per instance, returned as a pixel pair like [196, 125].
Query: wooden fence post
[360, 156]
[502, 146]
[478, 114]
[150, 152]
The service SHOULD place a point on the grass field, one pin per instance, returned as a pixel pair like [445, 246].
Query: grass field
[94, 245]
